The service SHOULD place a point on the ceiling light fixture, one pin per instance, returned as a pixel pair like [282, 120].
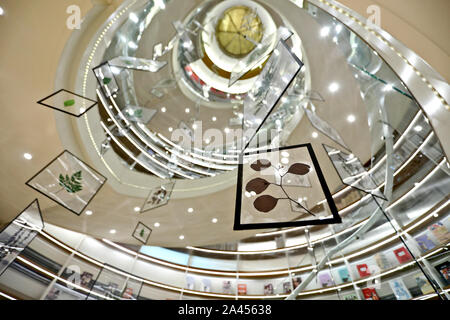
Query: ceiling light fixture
[112, 231]
[333, 87]
[324, 31]
[227, 130]
[190, 210]
[351, 118]
[163, 109]
[314, 135]
[134, 17]
[27, 156]
[418, 128]
[181, 237]
[170, 129]
[88, 212]
[214, 119]
[137, 209]
[1, 11]
[214, 220]
[187, 110]
[157, 224]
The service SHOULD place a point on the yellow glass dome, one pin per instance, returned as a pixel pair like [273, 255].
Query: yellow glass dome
[237, 25]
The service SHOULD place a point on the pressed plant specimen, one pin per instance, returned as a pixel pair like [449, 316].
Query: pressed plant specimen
[266, 203]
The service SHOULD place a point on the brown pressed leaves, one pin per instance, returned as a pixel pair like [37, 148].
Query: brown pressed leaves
[299, 168]
[257, 185]
[266, 203]
[261, 164]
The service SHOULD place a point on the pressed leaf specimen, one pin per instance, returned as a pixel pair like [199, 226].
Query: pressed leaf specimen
[266, 203]
[71, 184]
[69, 102]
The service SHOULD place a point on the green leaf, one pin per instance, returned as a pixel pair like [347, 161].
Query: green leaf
[72, 184]
[69, 103]
[142, 233]
[138, 113]
[106, 80]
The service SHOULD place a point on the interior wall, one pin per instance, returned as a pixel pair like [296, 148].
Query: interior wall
[422, 26]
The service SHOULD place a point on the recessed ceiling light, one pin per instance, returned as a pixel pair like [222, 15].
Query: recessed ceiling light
[194, 126]
[213, 118]
[207, 140]
[351, 118]
[163, 109]
[27, 156]
[418, 128]
[170, 129]
[333, 87]
[187, 110]
[214, 220]
[134, 17]
[88, 212]
[112, 231]
[190, 210]
[324, 31]
[314, 134]
[137, 209]
[157, 224]
[227, 130]
[181, 237]
[1, 11]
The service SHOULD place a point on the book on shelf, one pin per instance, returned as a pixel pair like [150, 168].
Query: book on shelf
[444, 271]
[440, 232]
[402, 255]
[128, 294]
[400, 290]
[296, 282]
[370, 294]
[287, 287]
[226, 286]
[423, 284]
[242, 289]
[325, 279]
[206, 285]
[344, 274]
[382, 261]
[425, 243]
[268, 289]
[351, 296]
[363, 270]
[190, 283]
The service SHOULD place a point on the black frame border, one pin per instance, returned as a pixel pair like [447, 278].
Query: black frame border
[301, 64]
[67, 112]
[101, 85]
[93, 196]
[148, 237]
[250, 226]
[9, 223]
